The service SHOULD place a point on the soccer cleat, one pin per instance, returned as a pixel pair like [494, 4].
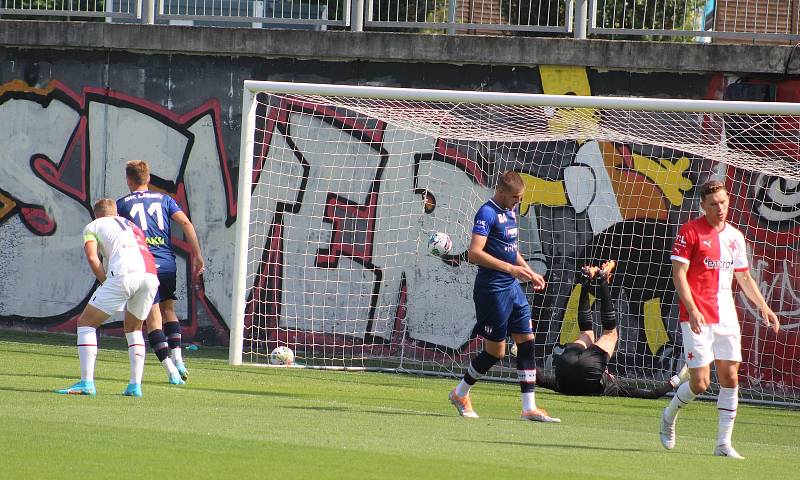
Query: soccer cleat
[133, 390]
[727, 451]
[539, 415]
[175, 379]
[607, 268]
[182, 371]
[463, 405]
[84, 387]
[667, 432]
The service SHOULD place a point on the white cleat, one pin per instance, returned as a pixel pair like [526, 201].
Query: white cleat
[667, 432]
[539, 415]
[727, 451]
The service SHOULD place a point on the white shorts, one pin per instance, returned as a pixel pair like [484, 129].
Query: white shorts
[136, 289]
[712, 343]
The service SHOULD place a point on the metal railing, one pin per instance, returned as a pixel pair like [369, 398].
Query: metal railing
[476, 15]
[775, 20]
[259, 13]
[687, 20]
[72, 8]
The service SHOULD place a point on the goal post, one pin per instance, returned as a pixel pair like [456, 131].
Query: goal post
[341, 186]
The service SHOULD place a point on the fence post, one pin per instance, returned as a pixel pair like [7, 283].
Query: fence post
[581, 9]
[451, 17]
[148, 12]
[357, 15]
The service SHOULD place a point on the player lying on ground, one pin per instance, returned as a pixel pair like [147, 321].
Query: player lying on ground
[130, 282]
[500, 304]
[582, 368]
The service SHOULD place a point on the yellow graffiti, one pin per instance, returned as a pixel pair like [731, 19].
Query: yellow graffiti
[569, 325]
[22, 86]
[668, 176]
[541, 192]
[564, 79]
[569, 80]
[654, 329]
[7, 204]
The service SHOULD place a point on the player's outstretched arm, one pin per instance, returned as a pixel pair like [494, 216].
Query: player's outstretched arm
[198, 264]
[90, 249]
[750, 288]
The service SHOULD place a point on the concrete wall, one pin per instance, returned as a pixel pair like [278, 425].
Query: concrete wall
[78, 100]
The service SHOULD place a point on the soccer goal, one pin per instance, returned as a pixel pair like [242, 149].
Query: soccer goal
[340, 188]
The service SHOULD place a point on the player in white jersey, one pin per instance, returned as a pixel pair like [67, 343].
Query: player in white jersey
[129, 281]
[706, 256]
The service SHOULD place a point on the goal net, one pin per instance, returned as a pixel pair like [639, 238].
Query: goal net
[341, 187]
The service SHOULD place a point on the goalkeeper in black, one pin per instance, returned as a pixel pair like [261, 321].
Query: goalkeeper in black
[582, 367]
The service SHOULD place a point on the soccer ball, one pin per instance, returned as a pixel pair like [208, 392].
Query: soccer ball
[439, 244]
[281, 356]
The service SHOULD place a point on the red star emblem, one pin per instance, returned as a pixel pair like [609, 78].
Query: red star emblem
[690, 356]
[732, 246]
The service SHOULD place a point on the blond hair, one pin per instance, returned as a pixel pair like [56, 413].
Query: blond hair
[105, 207]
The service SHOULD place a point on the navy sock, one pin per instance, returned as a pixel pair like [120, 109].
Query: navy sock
[479, 366]
[173, 332]
[526, 367]
[158, 342]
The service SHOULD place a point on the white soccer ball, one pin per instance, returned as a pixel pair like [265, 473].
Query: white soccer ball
[440, 244]
[281, 356]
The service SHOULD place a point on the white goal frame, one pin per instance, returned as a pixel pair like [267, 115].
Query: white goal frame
[252, 88]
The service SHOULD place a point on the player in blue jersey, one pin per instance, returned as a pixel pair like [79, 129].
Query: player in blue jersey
[153, 212]
[500, 304]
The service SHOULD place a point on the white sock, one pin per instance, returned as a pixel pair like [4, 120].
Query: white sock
[675, 381]
[727, 402]
[87, 351]
[528, 401]
[167, 362]
[462, 389]
[136, 353]
[175, 354]
[682, 397]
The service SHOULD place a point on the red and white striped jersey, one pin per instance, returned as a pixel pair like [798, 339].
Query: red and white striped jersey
[713, 257]
[122, 243]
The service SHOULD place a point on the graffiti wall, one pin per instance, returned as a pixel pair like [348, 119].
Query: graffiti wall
[69, 124]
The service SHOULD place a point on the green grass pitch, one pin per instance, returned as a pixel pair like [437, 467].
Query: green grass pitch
[259, 423]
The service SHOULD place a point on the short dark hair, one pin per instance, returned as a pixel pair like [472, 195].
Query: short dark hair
[711, 186]
[105, 207]
[138, 171]
[510, 181]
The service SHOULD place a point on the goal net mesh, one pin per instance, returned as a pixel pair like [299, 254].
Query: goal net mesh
[347, 191]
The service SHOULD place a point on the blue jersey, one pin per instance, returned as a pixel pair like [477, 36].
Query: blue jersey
[499, 226]
[151, 211]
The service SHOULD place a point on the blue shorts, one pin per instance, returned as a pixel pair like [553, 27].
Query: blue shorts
[501, 312]
[166, 287]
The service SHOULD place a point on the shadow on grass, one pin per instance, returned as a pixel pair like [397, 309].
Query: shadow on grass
[320, 408]
[258, 393]
[406, 413]
[560, 446]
